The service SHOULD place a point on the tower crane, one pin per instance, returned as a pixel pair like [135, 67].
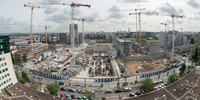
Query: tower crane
[136, 12]
[31, 23]
[136, 35]
[173, 36]
[73, 5]
[139, 14]
[174, 16]
[165, 26]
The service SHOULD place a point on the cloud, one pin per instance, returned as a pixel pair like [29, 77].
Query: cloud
[62, 17]
[92, 16]
[114, 13]
[133, 1]
[12, 25]
[171, 9]
[113, 9]
[115, 16]
[50, 11]
[193, 3]
[59, 18]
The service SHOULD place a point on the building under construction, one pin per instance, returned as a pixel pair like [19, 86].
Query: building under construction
[25, 53]
[123, 46]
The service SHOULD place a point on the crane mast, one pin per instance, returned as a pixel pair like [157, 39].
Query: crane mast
[45, 28]
[31, 24]
[73, 5]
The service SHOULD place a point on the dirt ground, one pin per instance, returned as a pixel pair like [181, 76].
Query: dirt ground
[148, 66]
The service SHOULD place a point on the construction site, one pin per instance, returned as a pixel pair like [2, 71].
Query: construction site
[142, 67]
[133, 57]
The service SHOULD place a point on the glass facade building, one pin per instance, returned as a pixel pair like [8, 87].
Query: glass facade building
[4, 45]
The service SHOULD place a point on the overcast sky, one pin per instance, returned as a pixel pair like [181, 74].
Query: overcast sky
[109, 15]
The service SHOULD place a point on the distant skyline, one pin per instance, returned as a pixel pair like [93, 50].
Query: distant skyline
[15, 18]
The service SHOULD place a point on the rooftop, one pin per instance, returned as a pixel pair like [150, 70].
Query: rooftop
[186, 87]
[20, 92]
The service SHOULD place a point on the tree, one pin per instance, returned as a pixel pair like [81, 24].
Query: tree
[172, 78]
[53, 88]
[182, 69]
[25, 76]
[196, 54]
[147, 85]
[18, 78]
[192, 41]
[89, 94]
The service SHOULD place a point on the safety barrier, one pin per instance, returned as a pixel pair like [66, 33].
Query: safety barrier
[156, 73]
[106, 80]
[47, 75]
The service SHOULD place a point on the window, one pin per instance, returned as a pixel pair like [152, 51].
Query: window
[11, 83]
[1, 65]
[5, 64]
[1, 46]
[0, 72]
[6, 69]
[3, 70]
[2, 77]
[4, 82]
[4, 58]
[9, 79]
[5, 75]
[8, 74]
[0, 59]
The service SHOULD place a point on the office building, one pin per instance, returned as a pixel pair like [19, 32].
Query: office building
[7, 74]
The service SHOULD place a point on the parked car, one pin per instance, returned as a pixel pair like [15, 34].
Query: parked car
[127, 89]
[72, 90]
[118, 91]
[85, 98]
[138, 93]
[63, 89]
[79, 98]
[73, 96]
[80, 91]
[132, 95]
[109, 91]
[68, 96]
